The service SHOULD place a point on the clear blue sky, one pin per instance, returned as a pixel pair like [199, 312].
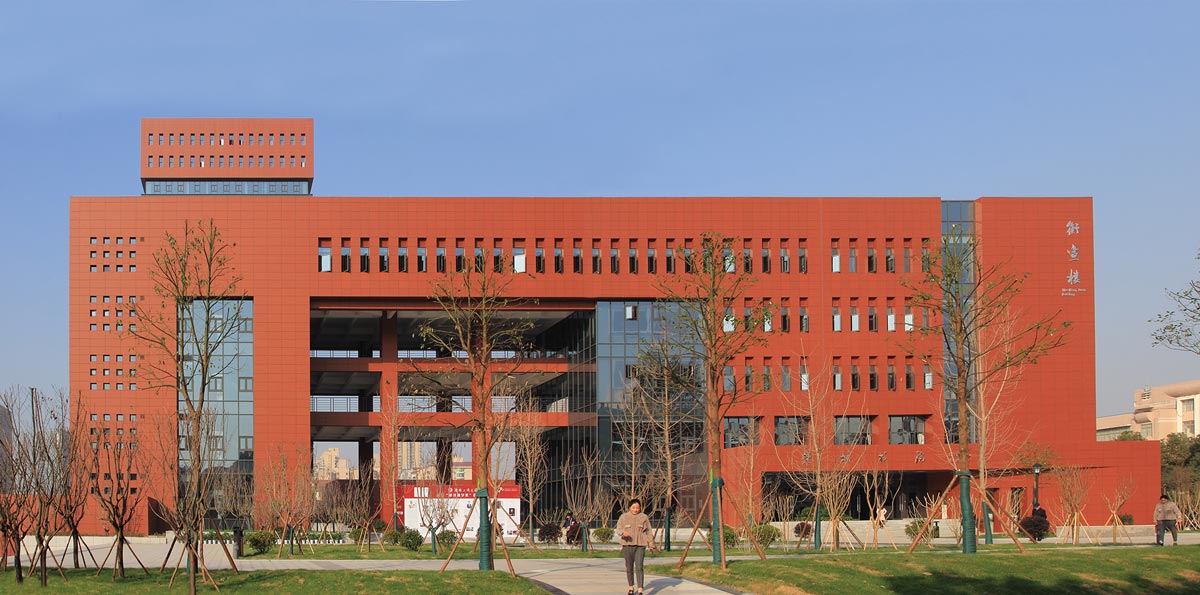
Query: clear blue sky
[956, 99]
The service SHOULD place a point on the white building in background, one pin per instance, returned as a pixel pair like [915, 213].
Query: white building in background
[1157, 412]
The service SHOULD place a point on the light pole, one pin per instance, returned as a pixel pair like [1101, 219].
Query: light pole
[1037, 474]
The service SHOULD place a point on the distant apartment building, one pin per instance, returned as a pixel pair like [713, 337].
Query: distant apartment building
[1157, 412]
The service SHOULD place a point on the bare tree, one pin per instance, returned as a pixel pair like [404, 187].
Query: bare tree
[1115, 501]
[972, 308]
[15, 476]
[1074, 483]
[879, 491]
[1179, 327]
[530, 466]
[182, 335]
[585, 493]
[663, 395]
[288, 493]
[709, 330]
[114, 464]
[483, 338]
[187, 466]
[48, 441]
[437, 512]
[71, 505]
[640, 475]
[818, 448]
[360, 506]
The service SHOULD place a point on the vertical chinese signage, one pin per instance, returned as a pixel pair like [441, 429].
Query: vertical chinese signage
[1073, 281]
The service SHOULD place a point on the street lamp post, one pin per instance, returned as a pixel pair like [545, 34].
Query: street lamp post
[1037, 474]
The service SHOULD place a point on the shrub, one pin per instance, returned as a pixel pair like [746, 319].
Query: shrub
[392, 537]
[1036, 526]
[261, 541]
[806, 513]
[446, 539]
[356, 535]
[602, 534]
[705, 524]
[765, 534]
[411, 539]
[729, 536]
[546, 533]
[1126, 518]
[914, 526]
[379, 525]
[803, 530]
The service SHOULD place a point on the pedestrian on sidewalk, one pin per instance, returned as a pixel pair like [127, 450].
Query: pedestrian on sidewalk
[1166, 515]
[635, 538]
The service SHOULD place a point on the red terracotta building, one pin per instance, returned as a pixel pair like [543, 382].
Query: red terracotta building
[335, 287]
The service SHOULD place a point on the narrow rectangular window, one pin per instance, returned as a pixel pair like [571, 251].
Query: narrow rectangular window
[558, 258]
[889, 260]
[364, 256]
[402, 257]
[384, 263]
[836, 260]
[324, 255]
[870, 259]
[651, 261]
[422, 265]
[519, 260]
[345, 255]
[633, 261]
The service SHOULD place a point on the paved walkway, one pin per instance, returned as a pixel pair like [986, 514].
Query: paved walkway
[581, 576]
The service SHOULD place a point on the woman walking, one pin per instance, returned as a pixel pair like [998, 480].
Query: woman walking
[635, 538]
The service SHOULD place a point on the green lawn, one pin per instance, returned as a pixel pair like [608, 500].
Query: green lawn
[292, 582]
[1042, 571]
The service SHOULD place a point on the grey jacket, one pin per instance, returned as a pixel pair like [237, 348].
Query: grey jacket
[1166, 512]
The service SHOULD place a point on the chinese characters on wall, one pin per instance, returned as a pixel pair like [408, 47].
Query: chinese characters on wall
[1073, 282]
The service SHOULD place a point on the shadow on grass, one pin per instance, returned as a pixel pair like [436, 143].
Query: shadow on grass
[941, 583]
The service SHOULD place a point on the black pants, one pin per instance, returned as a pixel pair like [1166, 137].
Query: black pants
[635, 558]
[1161, 527]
